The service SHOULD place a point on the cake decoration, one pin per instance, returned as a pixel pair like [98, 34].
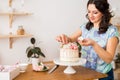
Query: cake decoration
[69, 52]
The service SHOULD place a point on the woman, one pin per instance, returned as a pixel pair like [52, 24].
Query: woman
[100, 38]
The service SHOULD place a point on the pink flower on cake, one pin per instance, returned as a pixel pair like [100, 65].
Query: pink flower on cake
[73, 46]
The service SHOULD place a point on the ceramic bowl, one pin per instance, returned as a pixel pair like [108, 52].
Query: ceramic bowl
[23, 67]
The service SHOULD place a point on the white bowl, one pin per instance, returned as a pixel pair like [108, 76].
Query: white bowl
[23, 67]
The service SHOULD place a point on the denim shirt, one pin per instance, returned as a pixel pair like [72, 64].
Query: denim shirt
[93, 61]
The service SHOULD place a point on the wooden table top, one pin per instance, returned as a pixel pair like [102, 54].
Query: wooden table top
[82, 73]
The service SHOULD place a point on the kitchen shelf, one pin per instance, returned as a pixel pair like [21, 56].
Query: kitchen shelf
[12, 14]
[10, 3]
[11, 36]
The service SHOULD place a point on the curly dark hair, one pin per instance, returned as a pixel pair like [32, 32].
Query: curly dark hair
[103, 7]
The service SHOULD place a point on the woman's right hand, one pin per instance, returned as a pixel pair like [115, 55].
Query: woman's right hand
[64, 39]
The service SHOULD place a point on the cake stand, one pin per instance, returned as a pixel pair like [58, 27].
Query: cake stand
[69, 64]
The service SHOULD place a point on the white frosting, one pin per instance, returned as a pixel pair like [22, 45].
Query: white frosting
[68, 54]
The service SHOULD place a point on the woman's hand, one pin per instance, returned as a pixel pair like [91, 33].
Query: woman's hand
[86, 42]
[63, 39]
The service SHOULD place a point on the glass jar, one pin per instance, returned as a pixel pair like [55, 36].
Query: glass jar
[20, 30]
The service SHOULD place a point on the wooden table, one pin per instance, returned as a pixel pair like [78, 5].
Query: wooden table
[82, 73]
[117, 74]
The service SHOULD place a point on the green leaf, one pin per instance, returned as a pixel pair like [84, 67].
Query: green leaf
[79, 46]
[37, 51]
[42, 54]
[33, 51]
[44, 68]
[28, 49]
[32, 40]
[29, 54]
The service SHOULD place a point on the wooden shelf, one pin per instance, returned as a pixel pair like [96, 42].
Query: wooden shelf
[11, 36]
[10, 3]
[15, 13]
[12, 14]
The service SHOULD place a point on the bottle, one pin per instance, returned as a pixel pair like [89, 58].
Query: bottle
[20, 30]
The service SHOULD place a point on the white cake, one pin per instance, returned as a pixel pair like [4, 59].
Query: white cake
[69, 52]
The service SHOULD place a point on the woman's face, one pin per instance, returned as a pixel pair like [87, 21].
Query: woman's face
[94, 15]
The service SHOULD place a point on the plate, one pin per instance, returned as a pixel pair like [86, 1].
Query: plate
[81, 61]
[45, 68]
